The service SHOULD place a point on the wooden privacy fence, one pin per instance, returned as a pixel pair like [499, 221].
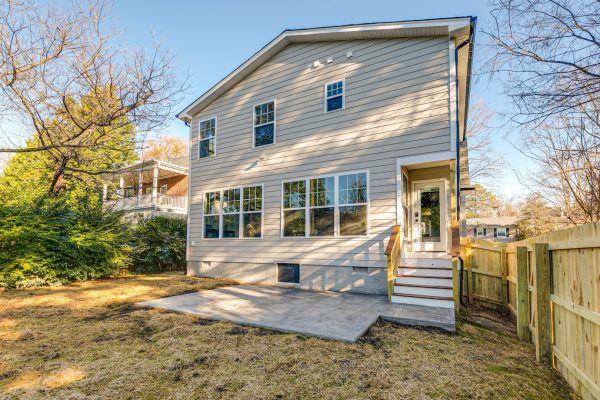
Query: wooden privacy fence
[551, 285]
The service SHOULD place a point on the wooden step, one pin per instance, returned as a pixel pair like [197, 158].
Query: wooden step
[425, 272]
[424, 291]
[428, 301]
[427, 280]
[426, 262]
[424, 285]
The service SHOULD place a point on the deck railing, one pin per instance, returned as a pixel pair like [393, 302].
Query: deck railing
[146, 201]
[393, 252]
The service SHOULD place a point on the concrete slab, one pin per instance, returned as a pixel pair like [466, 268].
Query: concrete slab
[328, 315]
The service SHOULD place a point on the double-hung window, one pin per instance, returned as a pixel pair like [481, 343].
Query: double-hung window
[264, 124]
[501, 232]
[334, 96]
[333, 206]
[480, 231]
[233, 213]
[207, 131]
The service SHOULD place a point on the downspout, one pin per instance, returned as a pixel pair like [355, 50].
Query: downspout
[468, 88]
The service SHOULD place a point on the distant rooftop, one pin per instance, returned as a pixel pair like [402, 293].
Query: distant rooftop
[493, 221]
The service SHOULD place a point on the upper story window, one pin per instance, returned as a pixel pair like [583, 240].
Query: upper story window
[334, 96]
[163, 189]
[207, 132]
[480, 231]
[264, 124]
[233, 213]
[326, 206]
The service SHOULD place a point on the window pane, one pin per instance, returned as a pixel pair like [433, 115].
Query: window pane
[207, 148]
[353, 220]
[321, 191]
[231, 226]
[353, 188]
[335, 103]
[207, 128]
[264, 135]
[253, 198]
[321, 221]
[231, 200]
[252, 225]
[211, 202]
[264, 113]
[211, 226]
[293, 223]
[294, 194]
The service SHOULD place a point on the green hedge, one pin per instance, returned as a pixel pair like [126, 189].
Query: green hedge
[159, 245]
[51, 242]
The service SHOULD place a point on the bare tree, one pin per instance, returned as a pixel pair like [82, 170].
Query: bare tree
[547, 53]
[484, 163]
[62, 82]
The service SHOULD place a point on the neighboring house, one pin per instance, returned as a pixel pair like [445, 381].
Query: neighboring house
[148, 188]
[500, 229]
[305, 157]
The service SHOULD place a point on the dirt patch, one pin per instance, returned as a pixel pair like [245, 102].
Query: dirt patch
[89, 341]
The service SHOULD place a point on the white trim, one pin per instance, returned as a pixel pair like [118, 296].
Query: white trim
[452, 94]
[325, 98]
[336, 206]
[214, 137]
[388, 29]
[189, 201]
[240, 213]
[254, 126]
[413, 160]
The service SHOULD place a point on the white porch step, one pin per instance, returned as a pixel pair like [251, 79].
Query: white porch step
[429, 254]
[423, 301]
[425, 272]
[430, 281]
[426, 262]
[428, 291]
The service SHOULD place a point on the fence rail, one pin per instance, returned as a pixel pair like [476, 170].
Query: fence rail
[551, 285]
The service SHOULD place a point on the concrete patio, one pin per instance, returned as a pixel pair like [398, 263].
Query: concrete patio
[328, 315]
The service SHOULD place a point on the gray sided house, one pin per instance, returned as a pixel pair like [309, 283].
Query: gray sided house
[499, 229]
[305, 157]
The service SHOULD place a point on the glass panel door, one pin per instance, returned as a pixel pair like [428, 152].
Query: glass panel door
[430, 213]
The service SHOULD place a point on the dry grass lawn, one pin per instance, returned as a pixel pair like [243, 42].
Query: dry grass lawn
[88, 340]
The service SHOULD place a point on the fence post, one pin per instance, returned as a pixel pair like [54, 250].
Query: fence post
[469, 256]
[522, 295]
[542, 292]
[504, 279]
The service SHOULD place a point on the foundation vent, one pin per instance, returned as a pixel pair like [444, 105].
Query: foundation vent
[360, 270]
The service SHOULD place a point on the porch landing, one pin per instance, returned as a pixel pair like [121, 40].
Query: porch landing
[328, 315]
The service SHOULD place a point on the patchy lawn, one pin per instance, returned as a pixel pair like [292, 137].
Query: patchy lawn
[89, 340]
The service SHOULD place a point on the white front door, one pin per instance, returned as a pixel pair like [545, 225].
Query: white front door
[429, 216]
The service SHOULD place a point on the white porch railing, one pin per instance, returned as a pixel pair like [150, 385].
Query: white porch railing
[145, 201]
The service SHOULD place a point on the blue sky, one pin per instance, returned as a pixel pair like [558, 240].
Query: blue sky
[210, 39]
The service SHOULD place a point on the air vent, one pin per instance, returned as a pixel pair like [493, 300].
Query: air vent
[288, 273]
[360, 270]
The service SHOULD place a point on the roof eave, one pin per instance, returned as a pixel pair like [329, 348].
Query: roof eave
[450, 25]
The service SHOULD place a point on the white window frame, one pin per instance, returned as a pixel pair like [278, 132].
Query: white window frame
[254, 126]
[166, 186]
[240, 213]
[477, 232]
[202, 140]
[498, 232]
[343, 80]
[336, 205]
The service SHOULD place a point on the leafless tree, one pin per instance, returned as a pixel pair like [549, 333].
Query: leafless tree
[484, 163]
[547, 53]
[63, 82]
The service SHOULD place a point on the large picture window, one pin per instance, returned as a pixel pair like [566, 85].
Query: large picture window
[335, 205]
[207, 132]
[233, 213]
[264, 124]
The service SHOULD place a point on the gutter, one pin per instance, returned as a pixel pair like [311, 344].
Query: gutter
[470, 41]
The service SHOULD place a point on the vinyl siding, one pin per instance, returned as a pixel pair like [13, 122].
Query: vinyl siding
[396, 106]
